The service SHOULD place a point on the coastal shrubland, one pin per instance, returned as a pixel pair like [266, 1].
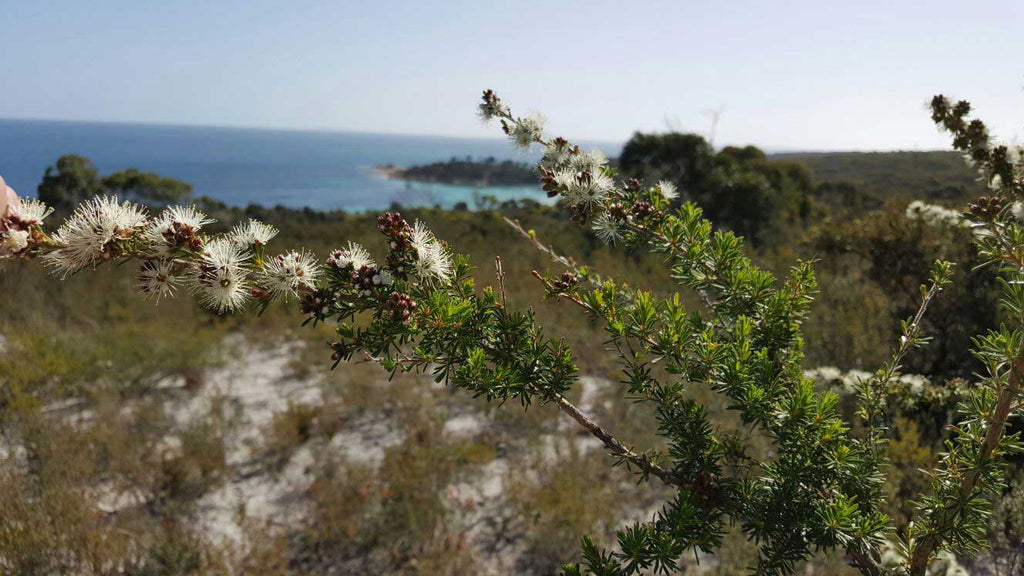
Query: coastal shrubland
[117, 416]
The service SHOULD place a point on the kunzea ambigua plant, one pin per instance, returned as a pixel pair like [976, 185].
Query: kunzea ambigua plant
[418, 310]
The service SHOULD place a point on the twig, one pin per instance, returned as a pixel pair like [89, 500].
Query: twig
[501, 279]
[706, 298]
[995, 426]
[549, 250]
[613, 445]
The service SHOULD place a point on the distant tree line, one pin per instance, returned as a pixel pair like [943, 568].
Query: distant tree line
[74, 179]
[746, 190]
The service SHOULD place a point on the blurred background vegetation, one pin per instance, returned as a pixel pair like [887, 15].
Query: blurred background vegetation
[163, 439]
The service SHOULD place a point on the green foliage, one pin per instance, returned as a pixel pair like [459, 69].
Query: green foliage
[738, 188]
[485, 172]
[74, 179]
[147, 187]
[894, 252]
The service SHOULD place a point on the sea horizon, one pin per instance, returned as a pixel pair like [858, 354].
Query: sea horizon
[319, 169]
[297, 168]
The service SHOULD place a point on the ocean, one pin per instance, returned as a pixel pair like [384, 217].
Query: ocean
[320, 170]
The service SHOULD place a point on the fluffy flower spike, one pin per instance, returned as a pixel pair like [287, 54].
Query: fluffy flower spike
[94, 233]
[526, 131]
[668, 190]
[157, 279]
[282, 276]
[253, 233]
[352, 256]
[433, 262]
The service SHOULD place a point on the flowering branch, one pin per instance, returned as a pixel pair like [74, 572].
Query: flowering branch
[953, 514]
[749, 350]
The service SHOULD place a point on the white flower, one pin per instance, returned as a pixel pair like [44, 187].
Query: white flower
[222, 289]
[608, 229]
[223, 253]
[60, 262]
[30, 212]
[91, 234]
[554, 156]
[220, 278]
[184, 218]
[824, 374]
[1017, 210]
[526, 131]
[185, 215]
[13, 241]
[591, 161]
[584, 188]
[996, 182]
[352, 255]
[432, 258]
[668, 190]
[253, 232]
[934, 215]
[916, 382]
[157, 279]
[283, 275]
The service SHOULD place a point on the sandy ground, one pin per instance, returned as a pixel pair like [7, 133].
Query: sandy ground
[258, 383]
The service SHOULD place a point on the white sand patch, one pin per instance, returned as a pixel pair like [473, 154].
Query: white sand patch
[591, 388]
[277, 498]
[254, 386]
[463, 426]
[364, 441]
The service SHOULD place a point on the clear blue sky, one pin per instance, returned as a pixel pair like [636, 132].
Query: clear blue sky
[785, 75]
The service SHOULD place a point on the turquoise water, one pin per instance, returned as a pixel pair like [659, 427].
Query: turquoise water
[322, 170]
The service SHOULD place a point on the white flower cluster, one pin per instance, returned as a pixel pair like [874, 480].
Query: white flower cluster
[221, 277]
[352, 256]
[433, 262]
[95, 232]
[285, 274]
[173, 253]
[584, 180]
[16, 224]
[847, 382]
[934, 215]
[832, 376]
[224, 271]
[526, 131]
[253, 233]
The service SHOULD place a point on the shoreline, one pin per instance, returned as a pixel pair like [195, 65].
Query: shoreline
[393, 172]
[389, 172]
